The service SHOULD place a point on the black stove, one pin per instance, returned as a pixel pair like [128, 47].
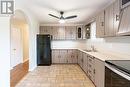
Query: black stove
[123, 65]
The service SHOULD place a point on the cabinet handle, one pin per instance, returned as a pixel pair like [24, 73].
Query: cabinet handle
[67, 61]
[90, 60]
[117, 18]
[89, 71]
[82, 60]
[89, 76]
[90, 65]
[94, 71]
[102, 23]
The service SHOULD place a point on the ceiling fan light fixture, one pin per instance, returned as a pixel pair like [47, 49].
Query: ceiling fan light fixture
[61, 21]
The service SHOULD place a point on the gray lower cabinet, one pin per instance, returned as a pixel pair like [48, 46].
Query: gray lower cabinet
[91, 67]
[94, 68]
[85, 63]
[55, 56]
[64, 56]
[59, 56]
[80, 59]
[72, 56]
[99, 73]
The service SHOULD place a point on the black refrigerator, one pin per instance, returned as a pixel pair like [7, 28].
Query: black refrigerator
[44, 50]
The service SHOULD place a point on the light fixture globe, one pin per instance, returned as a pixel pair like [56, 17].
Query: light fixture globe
[61, 21]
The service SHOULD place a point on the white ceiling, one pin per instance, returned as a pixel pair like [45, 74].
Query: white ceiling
[83, 8]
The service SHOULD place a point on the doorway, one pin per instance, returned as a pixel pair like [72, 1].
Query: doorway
[19, 47]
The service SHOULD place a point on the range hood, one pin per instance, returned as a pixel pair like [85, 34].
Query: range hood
[124, 26]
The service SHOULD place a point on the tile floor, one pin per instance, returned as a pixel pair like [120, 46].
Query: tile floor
[56, 76]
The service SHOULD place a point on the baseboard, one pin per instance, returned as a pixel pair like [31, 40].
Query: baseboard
[32, 68]
[11, 68]
[25, 60]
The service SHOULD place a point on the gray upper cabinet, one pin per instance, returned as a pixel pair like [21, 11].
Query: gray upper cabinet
[79, 32]
[58, 33]
[70, 32]
[107, 22]
[64, 32]
[55, 33]
[116, 10]
[100, 26]
[112, 17]
[45, 30]
[61, 33]
[124, 28]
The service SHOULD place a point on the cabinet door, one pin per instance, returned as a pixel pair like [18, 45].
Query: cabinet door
[124, 28]
[79, 32]
[69, 54]
[84, 32]
[73, 32]
[61, 33]
[80, 59]
[85, 63]
[74, 56]
[45, 29]
[55, 56]
[70, 32]
[100, 25]
[55, 32]
[109, 21]
[116, 16]
[99, 73]
[63, 56]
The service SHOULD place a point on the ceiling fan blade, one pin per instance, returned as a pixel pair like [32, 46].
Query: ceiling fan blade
[54, 16]
[74, 16]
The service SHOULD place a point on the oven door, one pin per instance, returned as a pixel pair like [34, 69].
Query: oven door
[125, 3]
[115, 78]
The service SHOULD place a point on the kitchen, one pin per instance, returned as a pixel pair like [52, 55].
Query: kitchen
[94, 46]
[90, 50]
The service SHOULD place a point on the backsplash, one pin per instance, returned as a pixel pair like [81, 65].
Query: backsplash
[112, 45]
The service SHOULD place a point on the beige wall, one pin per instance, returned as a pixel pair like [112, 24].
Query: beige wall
[25, 36]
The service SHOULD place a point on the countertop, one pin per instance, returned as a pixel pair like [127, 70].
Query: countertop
[104, 57]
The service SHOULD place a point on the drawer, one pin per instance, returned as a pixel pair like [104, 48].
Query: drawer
[91, 60]
[91, 77]
[91, 71]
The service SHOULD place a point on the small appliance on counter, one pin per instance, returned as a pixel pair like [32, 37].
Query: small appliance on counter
[117, 73]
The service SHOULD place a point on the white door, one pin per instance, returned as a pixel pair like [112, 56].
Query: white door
[16, 47]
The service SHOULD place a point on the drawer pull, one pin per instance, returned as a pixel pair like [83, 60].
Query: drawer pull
[90, 60]
[90, 65]
[89, 71]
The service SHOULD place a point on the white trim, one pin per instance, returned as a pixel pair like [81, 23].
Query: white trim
[25, 60]
[32, 68]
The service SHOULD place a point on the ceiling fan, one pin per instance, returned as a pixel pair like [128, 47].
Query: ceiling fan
[62, 18]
